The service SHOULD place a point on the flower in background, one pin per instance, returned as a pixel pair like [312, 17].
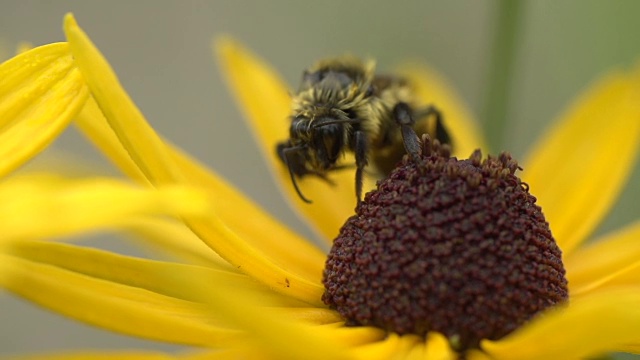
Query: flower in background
[248, 287]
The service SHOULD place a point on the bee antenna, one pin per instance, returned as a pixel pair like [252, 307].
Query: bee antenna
[286, 152]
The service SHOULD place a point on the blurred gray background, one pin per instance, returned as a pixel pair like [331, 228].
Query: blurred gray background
[161, 51]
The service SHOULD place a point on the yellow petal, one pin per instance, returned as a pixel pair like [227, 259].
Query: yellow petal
[92, 123]
[416, 352]
[613, 260]
[435, 347]
[123, 309]
[290, 249]
[265, 233]
[356, 336]
[153, 158]
[243, 352]
[146, 149]
[280, 337]
[381, 350]
[310, 315]
[438, 348]
[265, 100]
[589, 326]
[176, 240]
[40, 93]
[272, 271]
[432, 88]
[136, 272]
[406, 346]
[98, 355]
[45, 205]
[232, 354]
[259, 266]
[578, 168]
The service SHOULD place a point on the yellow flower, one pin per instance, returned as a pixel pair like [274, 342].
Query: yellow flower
[254, 290]
[40, 93]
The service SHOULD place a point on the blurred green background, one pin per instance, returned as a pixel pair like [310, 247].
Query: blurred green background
[162, 52]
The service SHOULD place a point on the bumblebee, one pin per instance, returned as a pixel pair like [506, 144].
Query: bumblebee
[343, 106]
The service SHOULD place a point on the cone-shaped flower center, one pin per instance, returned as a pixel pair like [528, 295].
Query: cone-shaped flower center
[447, 245]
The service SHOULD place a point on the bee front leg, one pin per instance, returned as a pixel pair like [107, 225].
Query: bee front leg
[294, 165]
[403, 116]
[361, 160]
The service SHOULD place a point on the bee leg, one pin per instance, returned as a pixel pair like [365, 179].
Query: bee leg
[441, 132]
[280, 148]
[361, 160]
[403, 117]
[284, 150]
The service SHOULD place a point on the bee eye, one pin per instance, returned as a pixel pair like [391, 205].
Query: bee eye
[311, 78]
[298, 127]
[370, 91]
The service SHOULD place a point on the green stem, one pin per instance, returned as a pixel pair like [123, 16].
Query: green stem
[507, 30]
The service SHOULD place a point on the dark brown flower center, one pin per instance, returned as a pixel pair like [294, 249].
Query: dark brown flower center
[447, 245]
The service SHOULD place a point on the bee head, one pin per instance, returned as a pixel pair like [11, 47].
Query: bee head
[313, 147]
[320, 140]
[332, 99]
